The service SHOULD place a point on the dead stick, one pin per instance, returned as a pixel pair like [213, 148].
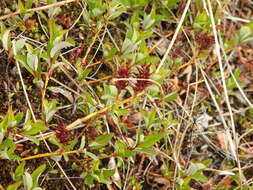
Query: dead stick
[58, 4]
[99, 80]
[50, 154]
[91, 45]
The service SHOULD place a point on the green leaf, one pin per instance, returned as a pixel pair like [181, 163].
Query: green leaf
[250, 25]
[1, 137]
[125, 3]
[170, 97]
[146, 151]
[6, 40]
[115, 10]
[22, 59]
[195, 167]
[37, 188]
[81, 147]
[121, 148]
[202, 20]
[32, 61]
[151, 140]
[19, 117]
[151, 117]
[3, 28]
[11, 154]
[57, 64]
[89, 98]
[101, 141]
[38, 126]
[4, 124]
[148, 21]
[36, 174]
[52, 29]
[19, 171]
[28, 181]
[14, 186]
[104, 176]
[244, 34]
[89, 179]
[21, 7]
[172, 3]
[58, 47]
[50, 109]
[108, 172]
[6, 143]
[110, 92]
[33, 139]
[128, 46]
[19, 45]
[200, 177]
[28, 4]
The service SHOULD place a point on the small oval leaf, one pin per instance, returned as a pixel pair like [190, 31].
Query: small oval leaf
[58, 47]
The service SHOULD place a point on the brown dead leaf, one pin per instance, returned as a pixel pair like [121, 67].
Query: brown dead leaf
[223, 142]
[116, 179]
[165, 182]
[245, 1]
[188, 72]
[114, 126]
[248, 150]
[110, 187]
[132, 121]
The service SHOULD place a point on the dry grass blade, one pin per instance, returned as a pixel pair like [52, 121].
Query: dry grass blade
[232, 142]
[174, 36]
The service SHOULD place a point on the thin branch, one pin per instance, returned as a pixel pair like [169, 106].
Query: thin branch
[51, 154]
[174, 36]
[218, 53]
[58, 4]
[91, 45]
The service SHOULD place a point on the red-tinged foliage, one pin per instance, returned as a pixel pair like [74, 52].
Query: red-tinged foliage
[74, 55]
[248, 66]
[66, 21]
[122, 72]
[168, 86]
[205, 41]
[28, 24]
[62, 134]
[178, 53]
[144, 73]
[181, 6]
